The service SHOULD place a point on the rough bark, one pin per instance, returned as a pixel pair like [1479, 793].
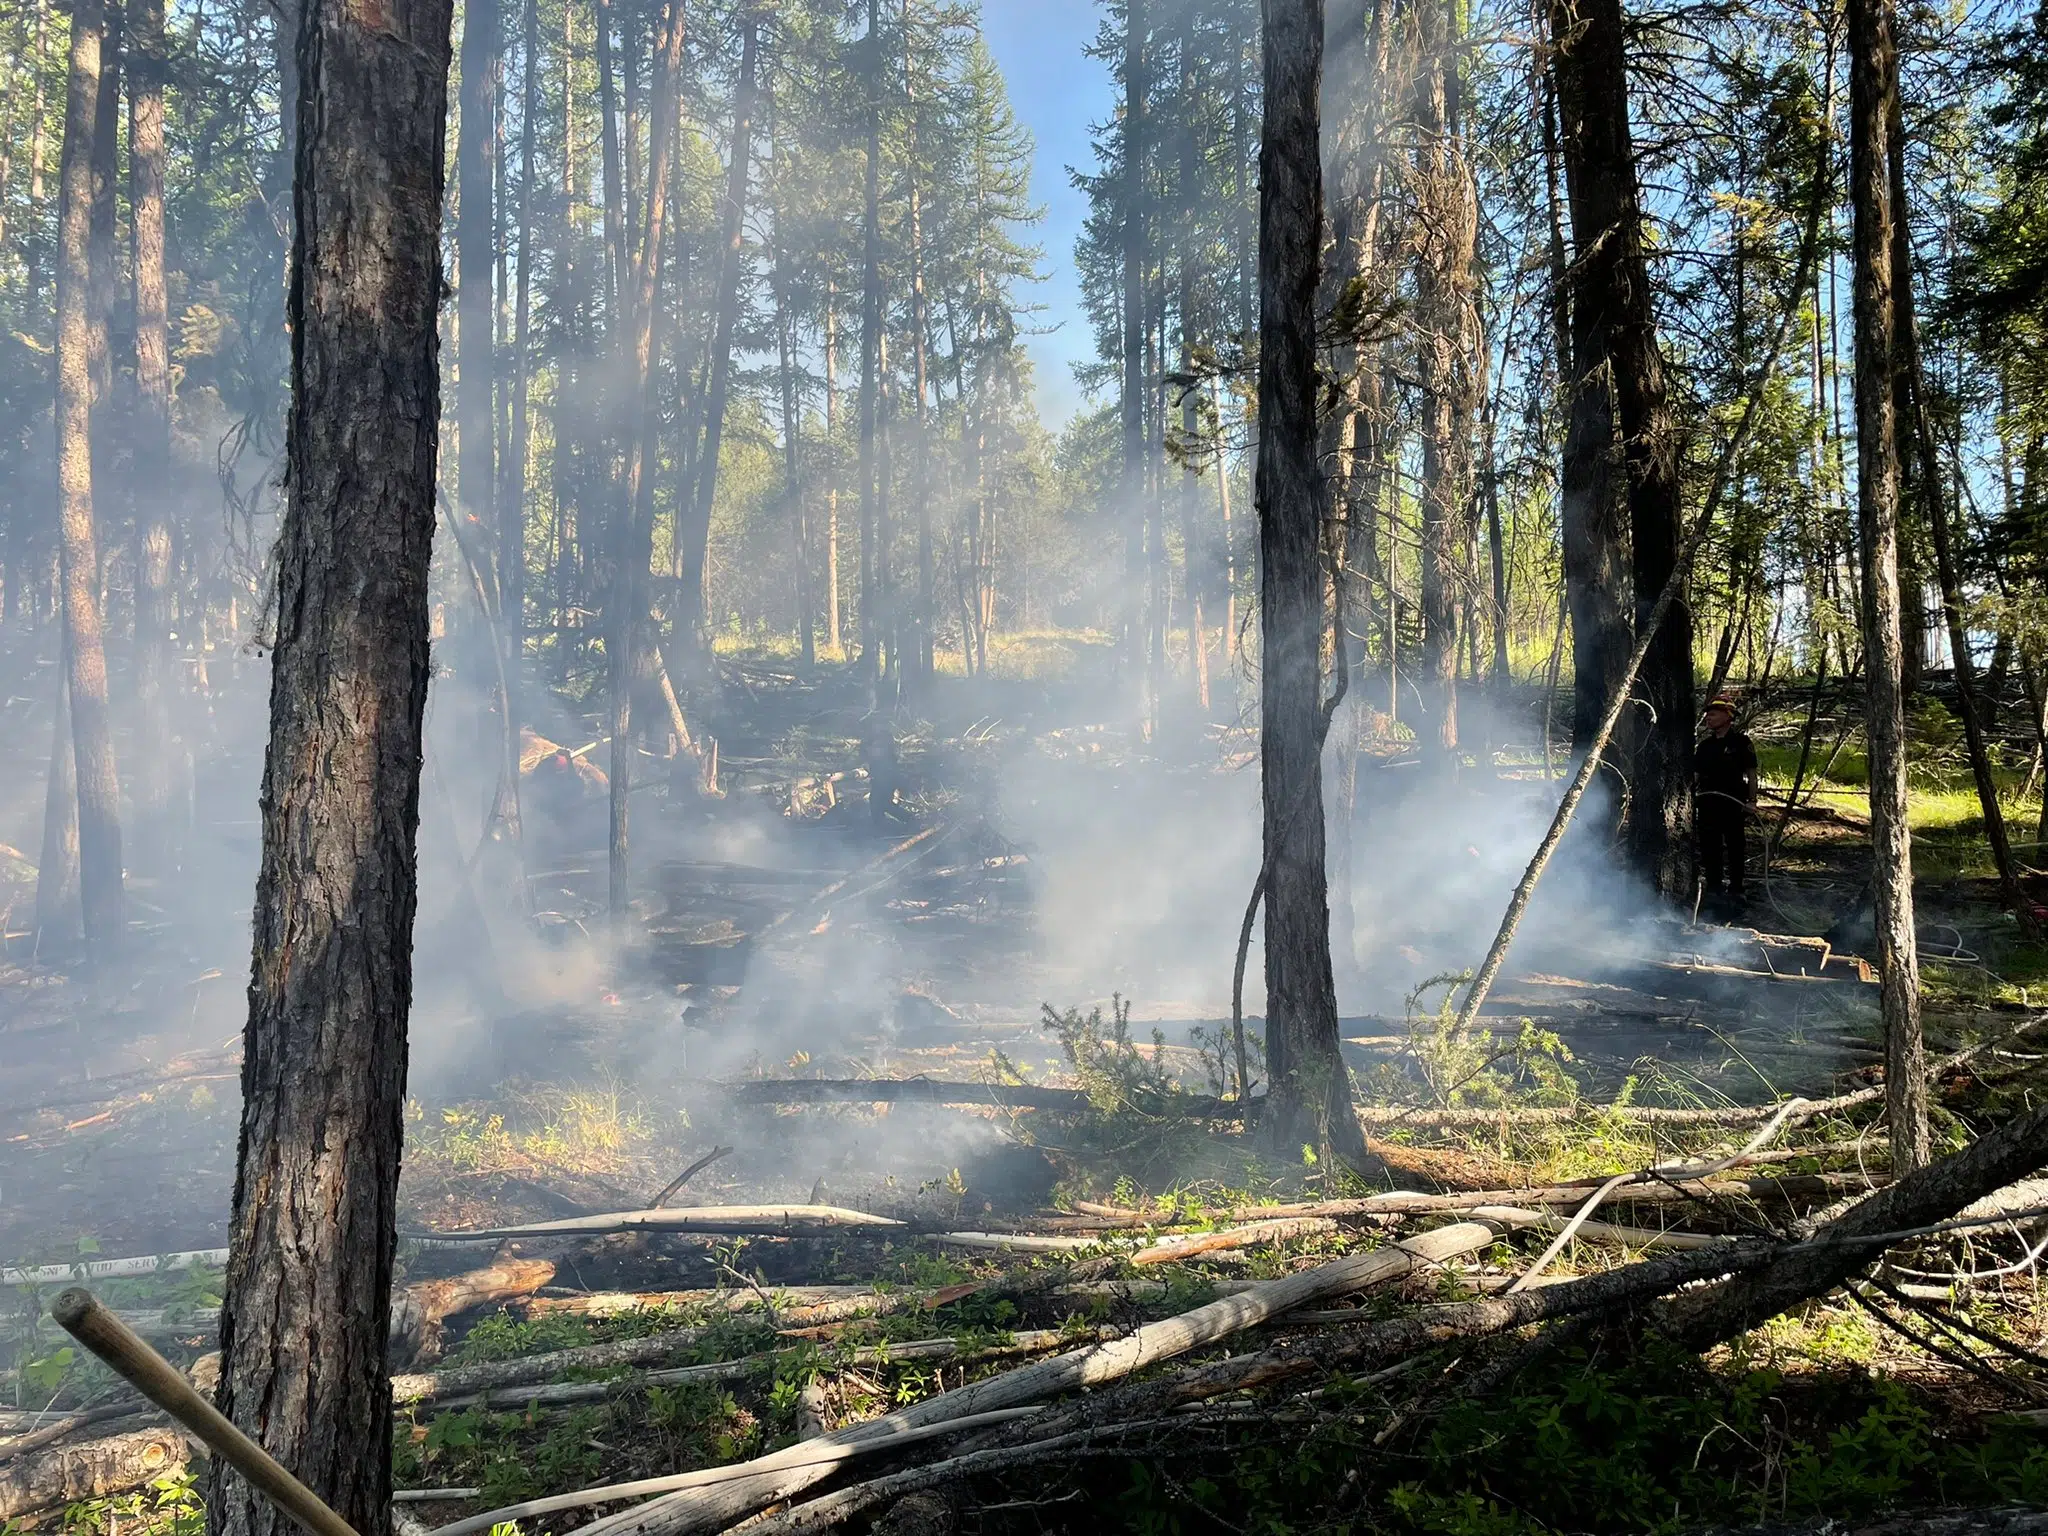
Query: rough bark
[99, 826]
[152, 425]
[1308, 1099]
[1614, 330]
[308, 1287]
[89, 1469]
[1873, 90]
[1592, 511]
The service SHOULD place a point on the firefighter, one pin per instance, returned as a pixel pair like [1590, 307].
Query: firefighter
[1724, 768]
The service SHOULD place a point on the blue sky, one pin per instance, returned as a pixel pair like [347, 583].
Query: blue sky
[1057, 93]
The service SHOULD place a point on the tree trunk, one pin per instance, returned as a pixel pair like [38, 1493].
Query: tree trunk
[57, 863]
[308, 1288]
[1131, 487]
[920, 325]
[1873, 89]
[632, 532]
[99, 826]
[696, 536]
[835, 630]
[1592, 514]
[1308, 1097]
[512, 515]
[476, 167]
[1613, 324]
[1919, 428]
[870, 365]
[1447, 230]
[152, 425]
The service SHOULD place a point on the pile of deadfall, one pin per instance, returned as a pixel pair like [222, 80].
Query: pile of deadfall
[904, 1388]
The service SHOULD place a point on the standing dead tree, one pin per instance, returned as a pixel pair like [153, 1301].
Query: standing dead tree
[308, 1293]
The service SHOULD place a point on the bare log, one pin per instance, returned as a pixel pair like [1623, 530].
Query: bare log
[775, 1478]
[1028, 1342]
[467, 1380]
[926, 1090]
[91, 1469]
[615, 1303]
[418, 1311]
[1173, 1250]
[731, 1220]
[1841, 1248]
[115, 1419]
[1792, 1187]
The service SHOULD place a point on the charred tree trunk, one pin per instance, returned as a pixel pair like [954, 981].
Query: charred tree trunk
[1614, 331]
[152, 425]
[99, 826]
[308, 1289]
[1592, 513]
[1873, 95]
[1308, 1095]
[835, 630]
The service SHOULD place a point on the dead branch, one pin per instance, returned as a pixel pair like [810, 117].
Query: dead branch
[90, 1469]
[551, 1395]
[418, 1311]
[1792, 1187]
[668, 1190]
[115, 1418]
[614, 1303]
[774, 1477]
[468, 1380]
[1839, 1249]
[925, 1090]
[730, 1220]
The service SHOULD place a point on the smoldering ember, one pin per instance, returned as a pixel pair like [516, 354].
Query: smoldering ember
[965, 767]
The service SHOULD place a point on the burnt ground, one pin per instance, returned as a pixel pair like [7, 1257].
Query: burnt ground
[1036, 857]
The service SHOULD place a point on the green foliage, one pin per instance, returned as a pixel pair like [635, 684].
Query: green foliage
[1657, 1444]
[1475, 1065]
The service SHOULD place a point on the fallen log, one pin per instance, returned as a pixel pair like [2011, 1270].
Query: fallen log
[774, 1478]
[1519, 1219]
[826, 1451]
[927, 1090]
[1841, 1247]
[419, 1311]
[421, 1387]
[113, 1420]
[1798, 1186]
[552, 1395]
[616, 1303]
[1173, 1250]
[726, 1220]
[89, 1469]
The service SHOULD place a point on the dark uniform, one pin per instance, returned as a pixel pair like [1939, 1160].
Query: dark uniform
[1724, 769]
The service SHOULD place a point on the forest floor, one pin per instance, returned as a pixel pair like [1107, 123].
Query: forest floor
[1048, 905]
